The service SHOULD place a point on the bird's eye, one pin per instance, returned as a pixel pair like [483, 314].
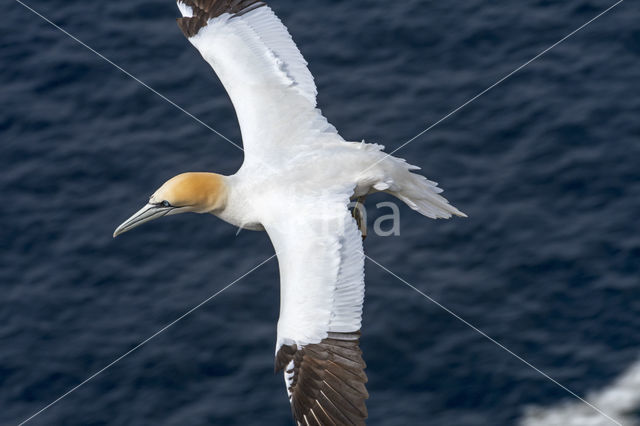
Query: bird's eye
[165, 203]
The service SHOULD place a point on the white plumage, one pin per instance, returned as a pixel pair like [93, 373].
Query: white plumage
[296, 181]
[321, 264]
[267, 78]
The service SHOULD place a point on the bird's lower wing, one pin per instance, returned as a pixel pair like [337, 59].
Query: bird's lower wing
[326, 381]
[321, 260]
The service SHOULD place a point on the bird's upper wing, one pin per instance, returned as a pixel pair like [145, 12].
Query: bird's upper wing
[263, 71]
[321, 262]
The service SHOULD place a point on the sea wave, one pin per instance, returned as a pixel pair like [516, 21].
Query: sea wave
[620, 400]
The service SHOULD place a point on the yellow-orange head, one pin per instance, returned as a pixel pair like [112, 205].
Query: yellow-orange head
[200, 192]
[187, 192]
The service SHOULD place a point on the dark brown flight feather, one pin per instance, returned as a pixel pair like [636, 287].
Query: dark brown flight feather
[203, 10]
[328, 383]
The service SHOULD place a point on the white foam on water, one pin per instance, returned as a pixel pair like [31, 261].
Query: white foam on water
[620, 400]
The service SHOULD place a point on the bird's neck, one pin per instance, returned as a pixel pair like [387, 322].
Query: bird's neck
[241, 203]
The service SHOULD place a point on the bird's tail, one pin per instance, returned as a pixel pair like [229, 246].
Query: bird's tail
[397, 178]
[423, 196]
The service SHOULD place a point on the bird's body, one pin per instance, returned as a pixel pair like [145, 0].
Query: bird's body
[296, 182]
[355, 168]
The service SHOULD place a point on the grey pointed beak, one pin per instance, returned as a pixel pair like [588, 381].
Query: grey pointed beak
[145, 214]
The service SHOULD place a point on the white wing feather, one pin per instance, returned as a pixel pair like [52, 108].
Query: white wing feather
[321, 262]
[185, 10]
[267, 79]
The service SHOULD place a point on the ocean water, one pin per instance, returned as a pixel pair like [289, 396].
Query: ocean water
[546, 165]
[620, 400]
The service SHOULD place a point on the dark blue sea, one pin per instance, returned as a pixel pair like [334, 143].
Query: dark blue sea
[546, 165]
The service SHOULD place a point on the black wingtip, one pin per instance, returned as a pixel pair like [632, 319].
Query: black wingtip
[204, 10]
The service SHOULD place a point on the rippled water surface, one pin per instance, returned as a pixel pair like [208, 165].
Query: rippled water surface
[546, 165]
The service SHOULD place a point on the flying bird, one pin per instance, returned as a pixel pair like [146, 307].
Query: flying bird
[296, 182]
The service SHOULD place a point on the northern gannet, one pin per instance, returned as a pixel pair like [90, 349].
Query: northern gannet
[296, 182]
